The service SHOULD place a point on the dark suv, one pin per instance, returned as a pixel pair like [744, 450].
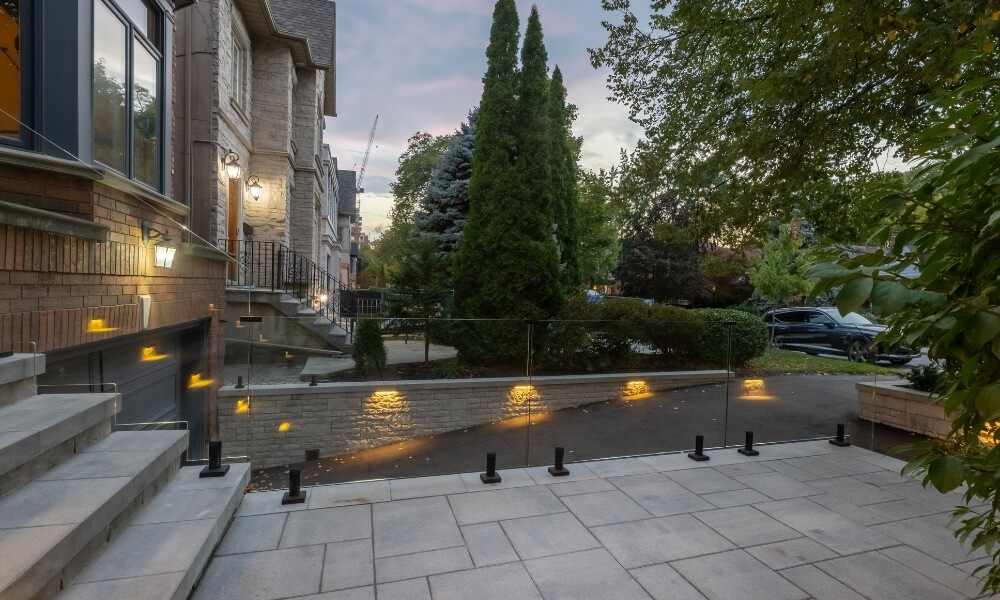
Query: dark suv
[824, 331]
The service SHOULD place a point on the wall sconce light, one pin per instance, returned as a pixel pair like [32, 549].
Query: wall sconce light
[232, 165]
[165, 249]
[253, 184]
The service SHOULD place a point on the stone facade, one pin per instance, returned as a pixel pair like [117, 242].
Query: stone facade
[897, 405]
[275, 425]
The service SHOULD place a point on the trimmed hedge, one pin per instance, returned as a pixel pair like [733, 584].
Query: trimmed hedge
[368, 349]
[750, 336]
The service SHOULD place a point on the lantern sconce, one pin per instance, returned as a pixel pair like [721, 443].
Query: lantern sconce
[232, 165]
[165, 249]
[253, 184]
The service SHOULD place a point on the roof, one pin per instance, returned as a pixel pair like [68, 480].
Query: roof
[308, 28]
[348, 184]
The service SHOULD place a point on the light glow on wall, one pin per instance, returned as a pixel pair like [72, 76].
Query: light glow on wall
[636, 390]
[97, 326]
[242, 406]
[520, 394]
[149, 354]
[754, 389]
[284, 427]
[198, 382]
[987, 436]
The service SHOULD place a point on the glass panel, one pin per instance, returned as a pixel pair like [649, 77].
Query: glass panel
[239, 72]
[146, 115]
[140, 14]
[10, 68]
[110, 37]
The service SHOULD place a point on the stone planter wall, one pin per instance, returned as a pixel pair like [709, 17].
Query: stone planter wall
[276, 424]
[897, 405]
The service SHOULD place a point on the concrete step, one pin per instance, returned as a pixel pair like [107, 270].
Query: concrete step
[51, 526]
[17, 376]
[306, 312]
[163, 551]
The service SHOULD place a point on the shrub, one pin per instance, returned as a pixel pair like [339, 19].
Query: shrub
[750, 336]
[368, 349]
[925, 378]
[490, 342]
[673, 331]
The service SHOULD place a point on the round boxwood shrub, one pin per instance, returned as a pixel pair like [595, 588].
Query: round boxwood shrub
[750, 336]
[673, 331]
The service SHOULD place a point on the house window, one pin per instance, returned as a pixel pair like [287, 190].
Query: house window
[127, 85]
[238, 90]
[11, 84]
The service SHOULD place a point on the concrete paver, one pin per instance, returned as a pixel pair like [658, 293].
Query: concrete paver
[453, 537]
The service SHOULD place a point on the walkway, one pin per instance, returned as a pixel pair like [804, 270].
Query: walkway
[802, 520]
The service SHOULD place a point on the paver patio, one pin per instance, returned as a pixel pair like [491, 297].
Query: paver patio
[802, 520]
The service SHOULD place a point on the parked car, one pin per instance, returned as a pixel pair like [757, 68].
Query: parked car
[824, 331]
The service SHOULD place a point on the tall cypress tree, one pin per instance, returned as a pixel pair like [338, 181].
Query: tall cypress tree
[476, 273]
[565, 194]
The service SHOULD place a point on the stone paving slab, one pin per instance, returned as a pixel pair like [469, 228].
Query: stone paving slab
[801, 521]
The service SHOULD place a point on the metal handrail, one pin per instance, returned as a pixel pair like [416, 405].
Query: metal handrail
[276, 267]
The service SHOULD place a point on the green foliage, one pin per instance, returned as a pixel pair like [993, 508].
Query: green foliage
[383, 255]
[781, 274]
[368, 349]
[563, 171]
[413, 174]
[506, 265]
[674, 331]
[783, 362]
[749, 336]
[421, 281]
[598, 222]
[925, 378]
[745, 103]
[945, 236]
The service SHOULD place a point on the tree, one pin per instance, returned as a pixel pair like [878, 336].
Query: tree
[598, 222]
[660, 256]
[563, 155]
[416, 163]
[744, 103]
[506, 266]
[445, 208]
[420, 285]
[946, 228]
[781, 276]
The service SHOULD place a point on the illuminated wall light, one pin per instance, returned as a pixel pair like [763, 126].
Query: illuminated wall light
[288, 355]
[520, 394]
[198, 382]
[149, 354]
[97, 326]
[635, 389]
[753, 387]
[262, 338]
[987, 436]
[242, 406]
[284, 427]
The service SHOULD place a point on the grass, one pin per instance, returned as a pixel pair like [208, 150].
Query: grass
[779, 362]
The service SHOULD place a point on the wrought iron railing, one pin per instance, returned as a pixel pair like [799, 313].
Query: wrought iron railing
[276, 267]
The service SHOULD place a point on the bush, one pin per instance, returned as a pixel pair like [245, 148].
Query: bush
[490, 342]
[925, 378]
[750, 336]
[673, 331]
[368, 349]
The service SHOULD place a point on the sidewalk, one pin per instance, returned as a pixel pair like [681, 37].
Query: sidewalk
[802, 520]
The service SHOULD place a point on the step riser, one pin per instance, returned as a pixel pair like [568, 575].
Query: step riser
[19, 476]
[17, 377]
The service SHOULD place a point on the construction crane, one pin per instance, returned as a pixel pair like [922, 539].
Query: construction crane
[358, 190]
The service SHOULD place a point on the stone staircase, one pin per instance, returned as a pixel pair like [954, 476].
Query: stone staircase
[325, 330]
[88, 512]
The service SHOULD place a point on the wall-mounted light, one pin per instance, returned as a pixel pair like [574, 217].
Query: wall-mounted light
[232, 165]
[253, 184]
[164, 249]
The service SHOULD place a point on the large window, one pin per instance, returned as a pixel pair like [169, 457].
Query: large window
[10, 69]
[127, 76]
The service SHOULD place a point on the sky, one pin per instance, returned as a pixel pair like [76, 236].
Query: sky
[418, 65]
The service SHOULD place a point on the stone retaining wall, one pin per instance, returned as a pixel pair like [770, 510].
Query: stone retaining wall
[897, 405]
[283, 421]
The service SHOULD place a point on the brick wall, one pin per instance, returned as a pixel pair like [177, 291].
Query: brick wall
[286, 420]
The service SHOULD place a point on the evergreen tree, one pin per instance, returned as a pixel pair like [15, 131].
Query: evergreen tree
[564, 171]
[493, 181]
[445, 207]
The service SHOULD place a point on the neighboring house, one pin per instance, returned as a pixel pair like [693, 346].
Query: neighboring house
[88, 194]
[347, 221]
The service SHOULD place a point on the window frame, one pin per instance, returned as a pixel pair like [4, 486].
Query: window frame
[239, 91]
[134, 36]
[27, 36]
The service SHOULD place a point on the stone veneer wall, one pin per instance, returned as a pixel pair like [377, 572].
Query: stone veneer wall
[897, 405]
[287, 420]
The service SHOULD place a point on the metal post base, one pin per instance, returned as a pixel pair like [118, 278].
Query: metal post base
[558, 472]
[217, 472]
[288, 498]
